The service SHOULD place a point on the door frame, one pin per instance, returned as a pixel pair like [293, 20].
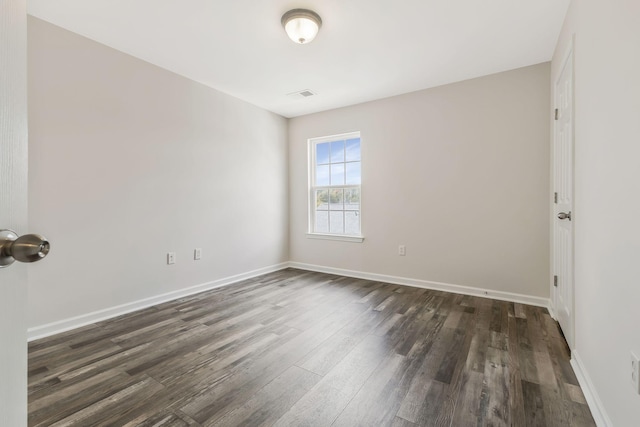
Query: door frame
[568, 56]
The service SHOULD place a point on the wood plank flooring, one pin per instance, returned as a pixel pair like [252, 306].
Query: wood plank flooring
[298, 348]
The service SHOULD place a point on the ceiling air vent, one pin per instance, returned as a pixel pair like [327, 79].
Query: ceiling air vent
[301, 94]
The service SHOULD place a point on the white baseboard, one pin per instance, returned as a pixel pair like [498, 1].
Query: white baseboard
[439, 286]
[64, 325]
[591, 395]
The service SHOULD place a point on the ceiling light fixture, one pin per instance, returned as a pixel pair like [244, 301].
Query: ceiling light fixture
[301, 25]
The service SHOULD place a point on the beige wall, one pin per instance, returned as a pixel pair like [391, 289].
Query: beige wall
[129, 161]
[459, 174]
[607, 202]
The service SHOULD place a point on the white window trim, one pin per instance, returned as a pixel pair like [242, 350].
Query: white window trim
[311, 143]
[338, 237]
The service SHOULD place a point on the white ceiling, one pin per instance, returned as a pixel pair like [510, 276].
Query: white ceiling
[366, 49]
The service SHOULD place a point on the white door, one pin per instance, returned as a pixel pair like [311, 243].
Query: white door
[13, 210]
[562, 290]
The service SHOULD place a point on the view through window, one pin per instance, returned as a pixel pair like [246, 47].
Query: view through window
[335, 185]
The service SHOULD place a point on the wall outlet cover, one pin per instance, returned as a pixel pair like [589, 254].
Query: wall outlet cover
[171, 258]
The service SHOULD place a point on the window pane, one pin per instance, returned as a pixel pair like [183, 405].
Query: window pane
[322, 222]
[337, 151]
[353, 173]
[352, 199]
[322, 200]
[352, 222]
[353, 150]
[322, 153]
[337, 174]
[322, 175]
[336, 222]
[335, 166]
[336, 196]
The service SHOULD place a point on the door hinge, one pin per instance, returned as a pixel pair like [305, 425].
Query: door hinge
[555, 281]
[557, 114]
[555, 197]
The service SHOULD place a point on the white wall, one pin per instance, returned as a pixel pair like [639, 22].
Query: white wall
[129, 161]
[458, 173]
[607, 201]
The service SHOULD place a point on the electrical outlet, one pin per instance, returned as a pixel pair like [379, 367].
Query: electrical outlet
[402, 250]
[171, 257]
[635, 372]
[197, 253]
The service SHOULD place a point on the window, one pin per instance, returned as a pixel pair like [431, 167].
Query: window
[334, 196]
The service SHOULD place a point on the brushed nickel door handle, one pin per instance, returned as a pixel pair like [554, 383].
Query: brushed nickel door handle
[27, 248]
[563, 215]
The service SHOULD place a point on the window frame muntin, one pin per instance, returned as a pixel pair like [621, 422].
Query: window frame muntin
[311, 210]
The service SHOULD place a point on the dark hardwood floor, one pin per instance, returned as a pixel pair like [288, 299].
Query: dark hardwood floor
[296, 348]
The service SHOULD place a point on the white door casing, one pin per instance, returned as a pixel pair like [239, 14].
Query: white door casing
[13, 210]
[563, 287]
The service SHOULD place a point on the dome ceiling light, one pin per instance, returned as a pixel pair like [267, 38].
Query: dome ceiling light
[301, 25]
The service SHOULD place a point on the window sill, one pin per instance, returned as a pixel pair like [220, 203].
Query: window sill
[338, 237]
